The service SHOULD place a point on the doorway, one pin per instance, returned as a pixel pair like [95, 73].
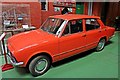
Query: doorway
[79, 7]
[110, 11]
[104, 11]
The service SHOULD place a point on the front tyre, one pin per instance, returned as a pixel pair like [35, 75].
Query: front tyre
[39, 65]
[101, 44]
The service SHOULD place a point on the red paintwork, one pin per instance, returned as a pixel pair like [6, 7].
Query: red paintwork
[6, 67]
[73, 16]
[25, 45]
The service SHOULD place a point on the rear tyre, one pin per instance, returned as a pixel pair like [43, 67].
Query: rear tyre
[101, 44]
[39, 65]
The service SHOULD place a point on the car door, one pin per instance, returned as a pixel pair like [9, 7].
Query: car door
[93, 33]
[72, 41]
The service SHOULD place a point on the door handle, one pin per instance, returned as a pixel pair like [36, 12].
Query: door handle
[84, 35]
[99, 31]
[105, 29]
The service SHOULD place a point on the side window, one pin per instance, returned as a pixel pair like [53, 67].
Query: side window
[91, 24]
[76, 26]
[73, 26]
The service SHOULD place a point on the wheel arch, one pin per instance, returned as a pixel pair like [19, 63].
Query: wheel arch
[42, 53]
[104, 37]
[102, 47]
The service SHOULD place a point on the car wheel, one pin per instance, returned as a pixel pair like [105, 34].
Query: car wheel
[101, 44]
[39, 65]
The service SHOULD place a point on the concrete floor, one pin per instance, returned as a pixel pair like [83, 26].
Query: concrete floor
[89, 64]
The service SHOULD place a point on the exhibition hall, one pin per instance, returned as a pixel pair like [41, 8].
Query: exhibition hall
[66, 39]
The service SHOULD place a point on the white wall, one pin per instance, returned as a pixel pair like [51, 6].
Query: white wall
[18, 0]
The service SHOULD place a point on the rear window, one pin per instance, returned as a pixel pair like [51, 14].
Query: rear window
[91, 24]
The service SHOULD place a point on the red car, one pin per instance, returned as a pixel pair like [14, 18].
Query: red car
[59, 37]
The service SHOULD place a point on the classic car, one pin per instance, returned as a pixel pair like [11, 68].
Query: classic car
[59, 37]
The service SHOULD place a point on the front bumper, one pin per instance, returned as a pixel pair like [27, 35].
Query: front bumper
[13, 60]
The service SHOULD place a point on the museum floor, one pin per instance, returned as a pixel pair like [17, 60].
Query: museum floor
[89, 64]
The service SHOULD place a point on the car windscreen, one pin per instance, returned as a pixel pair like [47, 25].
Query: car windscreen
[52, 25]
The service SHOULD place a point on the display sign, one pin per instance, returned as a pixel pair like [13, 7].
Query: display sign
[66, 3]
[25, 26]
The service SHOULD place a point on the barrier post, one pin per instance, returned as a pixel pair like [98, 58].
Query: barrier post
[6, 66]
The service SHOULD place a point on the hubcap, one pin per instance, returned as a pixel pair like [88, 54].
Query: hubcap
[41, 65]
[101, 44]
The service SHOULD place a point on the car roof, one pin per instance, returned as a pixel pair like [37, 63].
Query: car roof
[73, 16]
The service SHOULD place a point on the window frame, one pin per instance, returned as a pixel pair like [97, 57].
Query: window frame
[68, 23]
[94, 26]
[53, 24]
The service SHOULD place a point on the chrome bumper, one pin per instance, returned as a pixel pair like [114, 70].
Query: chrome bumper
[13, 60]
[111, 37]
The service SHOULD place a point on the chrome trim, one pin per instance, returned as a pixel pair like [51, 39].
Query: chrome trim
[73, 49]
[16, 64]
[13, 60]
[92, 43]
[68, 51]
[62, 28]
[111, 37]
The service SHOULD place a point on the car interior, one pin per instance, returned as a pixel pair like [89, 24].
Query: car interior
[91, 24]
[77, 27]
[73, 27]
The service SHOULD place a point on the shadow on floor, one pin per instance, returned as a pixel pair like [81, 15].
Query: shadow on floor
[108, 43]
[73, 58]
[21, 70]
[78, 56]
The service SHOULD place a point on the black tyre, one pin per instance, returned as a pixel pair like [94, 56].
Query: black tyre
[39, 65]
[101, 44]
